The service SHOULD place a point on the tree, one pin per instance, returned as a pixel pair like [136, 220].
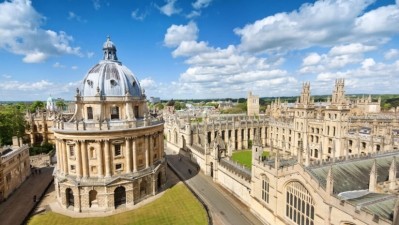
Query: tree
[12, 123]
[159, 106]
[60, 105]
[36, 105]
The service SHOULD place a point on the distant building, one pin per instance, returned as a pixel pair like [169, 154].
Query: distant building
[252, 104]
[14, 167]
[155, 100]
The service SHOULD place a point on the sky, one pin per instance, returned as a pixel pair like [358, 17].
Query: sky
[196, 49]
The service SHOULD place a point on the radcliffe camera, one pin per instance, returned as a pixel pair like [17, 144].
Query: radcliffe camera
[200, 112]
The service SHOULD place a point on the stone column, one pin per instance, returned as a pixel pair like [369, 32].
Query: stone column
[100, 159]
[134, 155]
[65, 157]
[107, 159]
[151, 150]
[160, 145]
[128, 156]
[59, 154]
[85, 160]
[146, 151]
[154, 191]
[78, 160]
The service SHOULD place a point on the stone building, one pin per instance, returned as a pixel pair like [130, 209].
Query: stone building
[14, 167]
[110, 153]
[252, 104]
[328, 165]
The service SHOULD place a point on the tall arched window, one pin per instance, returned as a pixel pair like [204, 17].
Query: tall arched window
[299, 204]
[265, 189]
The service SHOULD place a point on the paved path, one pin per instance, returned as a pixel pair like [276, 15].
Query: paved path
[20, 203]
[224, 207]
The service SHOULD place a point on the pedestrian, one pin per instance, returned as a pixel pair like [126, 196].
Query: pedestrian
[40, 171]
[34, 198]
[189, 171]
[179, 158]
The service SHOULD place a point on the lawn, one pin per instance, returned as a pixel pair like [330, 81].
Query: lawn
[177, 206]
[244, 157]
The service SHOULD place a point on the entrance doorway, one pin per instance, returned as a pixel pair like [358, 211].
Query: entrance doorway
[119, 196]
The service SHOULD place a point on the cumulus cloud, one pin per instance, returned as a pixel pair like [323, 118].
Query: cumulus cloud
[324, 23]
[96, 4]
[179, 33]
[21, 33]
[391, 53]
[147, 83]
[169, 8]
[28, 86]
[6, 76]
[221, 72]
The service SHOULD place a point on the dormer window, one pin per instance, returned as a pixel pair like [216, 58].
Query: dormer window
[134, 84]
[113, 83]
[90, 83]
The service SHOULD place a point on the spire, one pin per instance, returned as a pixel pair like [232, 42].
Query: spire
[373, 177]
[392, 174]
[330, 181]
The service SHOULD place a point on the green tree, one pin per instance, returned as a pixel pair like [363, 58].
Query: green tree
[159, 106]
[61, 105]
[36, 105]
[12, 123]
[180, 105]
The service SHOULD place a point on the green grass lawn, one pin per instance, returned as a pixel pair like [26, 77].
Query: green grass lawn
[177, 206]
[244, 157]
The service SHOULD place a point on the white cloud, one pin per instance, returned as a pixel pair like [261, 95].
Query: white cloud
[324, 23]
[179, 33]
[193, 14]
[391, 53]
[6, 76]
[312, 59]
[169, 8]
[74, 67]
[90, 54]
[96, 4]
[353, 48]
[221, 72]
[367, 63]
[58, 65]
[139, 16]
[21, 33]
[147, 83]
[19, 86]
[74, 16]
[201, 4]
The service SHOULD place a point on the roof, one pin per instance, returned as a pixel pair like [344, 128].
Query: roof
[379, 204]
[355, 174]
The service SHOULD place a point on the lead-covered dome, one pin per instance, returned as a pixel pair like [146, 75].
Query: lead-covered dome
[109, 77]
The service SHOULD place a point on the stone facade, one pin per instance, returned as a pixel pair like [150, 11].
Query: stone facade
[322, 159]
[14, 168]
[110, 153]
[252, 104]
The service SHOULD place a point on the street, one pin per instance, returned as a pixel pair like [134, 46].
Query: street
[225, 208]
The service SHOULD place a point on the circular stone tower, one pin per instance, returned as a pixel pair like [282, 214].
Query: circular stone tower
[110, 153]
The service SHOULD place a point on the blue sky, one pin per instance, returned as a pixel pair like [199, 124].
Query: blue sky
[201, 48]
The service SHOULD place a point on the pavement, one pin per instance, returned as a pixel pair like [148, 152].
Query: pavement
[224, 207]
[20, 203]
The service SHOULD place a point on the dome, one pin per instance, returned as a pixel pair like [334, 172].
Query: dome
[109, 77]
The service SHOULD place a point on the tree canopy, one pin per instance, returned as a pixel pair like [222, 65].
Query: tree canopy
[12, 122]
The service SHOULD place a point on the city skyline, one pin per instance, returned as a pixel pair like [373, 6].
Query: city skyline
[202, 48]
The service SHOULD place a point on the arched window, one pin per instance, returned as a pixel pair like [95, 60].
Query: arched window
[299, 204]
[265, 189]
